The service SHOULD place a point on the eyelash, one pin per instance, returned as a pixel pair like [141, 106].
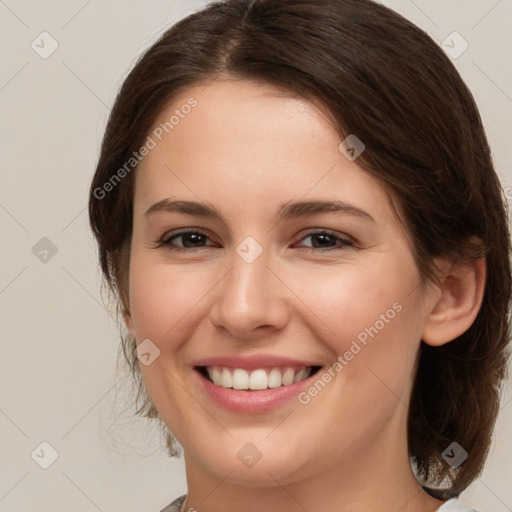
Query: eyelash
[166, 241]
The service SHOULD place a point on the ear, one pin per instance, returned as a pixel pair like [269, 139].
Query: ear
[127, 317]
[456, 301]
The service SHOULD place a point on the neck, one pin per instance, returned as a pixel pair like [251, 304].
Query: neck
[377, 477]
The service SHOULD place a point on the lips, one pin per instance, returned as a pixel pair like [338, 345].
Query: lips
[255, 372]
[254, 384]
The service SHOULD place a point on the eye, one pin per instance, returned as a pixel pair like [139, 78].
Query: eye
[327, 241]
[322, 240]
[190, 239]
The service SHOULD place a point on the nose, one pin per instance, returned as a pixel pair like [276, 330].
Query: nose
[251, 300]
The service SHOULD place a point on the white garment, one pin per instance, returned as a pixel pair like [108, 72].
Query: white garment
[450, 506]
[455, 506]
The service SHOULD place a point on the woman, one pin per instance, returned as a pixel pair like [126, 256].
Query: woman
[296, 208]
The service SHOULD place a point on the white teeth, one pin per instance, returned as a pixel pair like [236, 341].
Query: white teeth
[301, 375]
[274, 379]
[240, 379]
[288, 376]
[226, 379]
[259, 379]
[216, 376]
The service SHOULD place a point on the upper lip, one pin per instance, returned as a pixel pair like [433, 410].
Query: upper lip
[253, 362]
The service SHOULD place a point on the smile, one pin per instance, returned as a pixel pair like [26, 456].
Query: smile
[253, 391]
[258, 379]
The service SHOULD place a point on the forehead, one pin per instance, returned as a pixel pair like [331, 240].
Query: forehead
[236, 118]
[249, 145]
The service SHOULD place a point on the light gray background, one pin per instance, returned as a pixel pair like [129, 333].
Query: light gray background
[59, 344]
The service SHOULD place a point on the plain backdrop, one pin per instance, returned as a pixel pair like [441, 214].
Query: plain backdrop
[58, 342]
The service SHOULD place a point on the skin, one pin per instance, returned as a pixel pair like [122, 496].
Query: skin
[246, 149]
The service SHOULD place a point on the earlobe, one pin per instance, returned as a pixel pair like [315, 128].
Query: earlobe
[457, 302]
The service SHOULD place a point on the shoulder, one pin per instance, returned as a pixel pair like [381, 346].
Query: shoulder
[175, 505]
[455, 505]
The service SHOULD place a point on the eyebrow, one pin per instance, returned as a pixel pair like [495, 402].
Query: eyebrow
[286, 211]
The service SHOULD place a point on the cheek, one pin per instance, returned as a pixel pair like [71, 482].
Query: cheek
[163, 297]
[368, 316]
[374, 337]
[351, 301]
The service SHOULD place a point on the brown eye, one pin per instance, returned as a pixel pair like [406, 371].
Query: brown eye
[190, 239]
[327, 241]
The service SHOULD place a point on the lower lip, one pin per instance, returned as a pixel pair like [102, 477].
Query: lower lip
[252, 402]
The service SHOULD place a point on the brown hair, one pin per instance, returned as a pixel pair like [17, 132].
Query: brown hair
[385, 80]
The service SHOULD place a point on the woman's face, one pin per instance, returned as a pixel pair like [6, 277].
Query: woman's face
[259, 287]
